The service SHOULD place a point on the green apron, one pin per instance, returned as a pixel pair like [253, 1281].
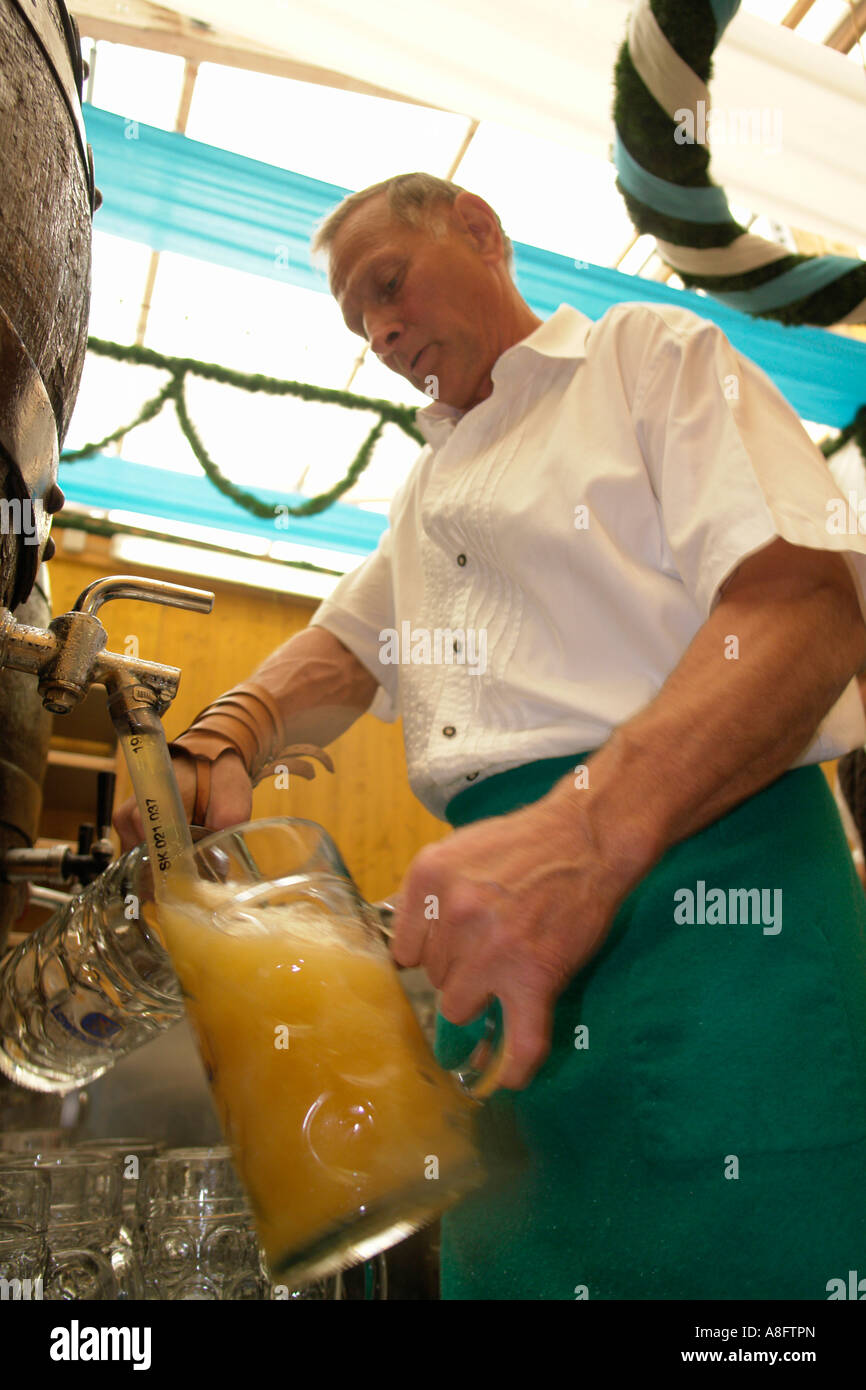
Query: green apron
[709, 1140]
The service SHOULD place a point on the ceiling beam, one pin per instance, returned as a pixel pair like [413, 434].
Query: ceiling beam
[849, 29]
[797, 12]
[141, 24]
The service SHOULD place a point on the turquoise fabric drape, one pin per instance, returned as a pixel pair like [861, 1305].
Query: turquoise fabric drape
[117, 485]
[176, 194]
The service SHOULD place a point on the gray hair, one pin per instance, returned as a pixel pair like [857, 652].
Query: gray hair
[414, 199]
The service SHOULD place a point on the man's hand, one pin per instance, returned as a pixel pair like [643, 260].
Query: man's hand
[522, 902]
[231, 798]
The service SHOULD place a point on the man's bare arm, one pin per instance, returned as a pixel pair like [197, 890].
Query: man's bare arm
[320, 687]
[723, 727]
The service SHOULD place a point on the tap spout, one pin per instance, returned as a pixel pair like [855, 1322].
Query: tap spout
[119, 586]
[69, 657]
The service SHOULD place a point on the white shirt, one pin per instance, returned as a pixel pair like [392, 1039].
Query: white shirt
[573, 531]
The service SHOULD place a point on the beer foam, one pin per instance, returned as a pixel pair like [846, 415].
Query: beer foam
[222, 907]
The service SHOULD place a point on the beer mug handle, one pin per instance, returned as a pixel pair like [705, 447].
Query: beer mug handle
[66, 1270]
[127, 1271]
[479, 1076]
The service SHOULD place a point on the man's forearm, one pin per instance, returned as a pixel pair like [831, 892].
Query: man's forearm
[320, 688]
[720, 729]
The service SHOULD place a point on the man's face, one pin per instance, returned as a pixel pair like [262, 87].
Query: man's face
[431, 308]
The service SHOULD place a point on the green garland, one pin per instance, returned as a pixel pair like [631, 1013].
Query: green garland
[400, 415]
[98, 526]
[180, 367]
[856, 431]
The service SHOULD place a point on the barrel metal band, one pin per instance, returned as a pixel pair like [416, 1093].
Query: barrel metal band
[37, 16]
[28, 434]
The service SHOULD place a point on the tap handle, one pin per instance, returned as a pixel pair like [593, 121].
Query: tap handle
[116, 586]
[104, 803]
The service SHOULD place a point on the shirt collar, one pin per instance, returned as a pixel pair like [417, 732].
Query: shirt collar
[563, 335]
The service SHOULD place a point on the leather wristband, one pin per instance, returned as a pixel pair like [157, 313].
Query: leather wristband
[245, 721]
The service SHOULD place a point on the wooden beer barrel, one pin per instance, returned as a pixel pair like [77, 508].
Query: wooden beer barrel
[46, 207]
[46, 197]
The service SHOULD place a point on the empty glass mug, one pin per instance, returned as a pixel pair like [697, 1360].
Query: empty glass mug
[34, 1141]
[24, 1196]
[86, 1259]
[346, 1131]
[85, 988]
[196, 1230]
[133, 1154]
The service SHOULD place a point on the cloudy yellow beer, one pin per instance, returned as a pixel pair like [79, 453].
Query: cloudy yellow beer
[335, 1109]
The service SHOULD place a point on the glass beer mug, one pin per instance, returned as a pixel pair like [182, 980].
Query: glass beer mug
[347, 1133]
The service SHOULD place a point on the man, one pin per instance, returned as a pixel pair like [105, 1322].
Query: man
[630, 520]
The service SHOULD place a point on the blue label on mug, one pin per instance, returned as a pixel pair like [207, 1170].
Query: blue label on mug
[98, 1026]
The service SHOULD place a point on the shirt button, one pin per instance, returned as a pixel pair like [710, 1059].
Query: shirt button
[449, 731]
[461, 559]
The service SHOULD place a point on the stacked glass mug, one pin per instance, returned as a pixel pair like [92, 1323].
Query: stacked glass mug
[119, 1219]
[71, 1247]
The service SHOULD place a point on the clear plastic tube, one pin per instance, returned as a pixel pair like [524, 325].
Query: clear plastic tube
[159, 804]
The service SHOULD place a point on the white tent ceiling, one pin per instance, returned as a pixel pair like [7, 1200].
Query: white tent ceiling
[546, 68]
